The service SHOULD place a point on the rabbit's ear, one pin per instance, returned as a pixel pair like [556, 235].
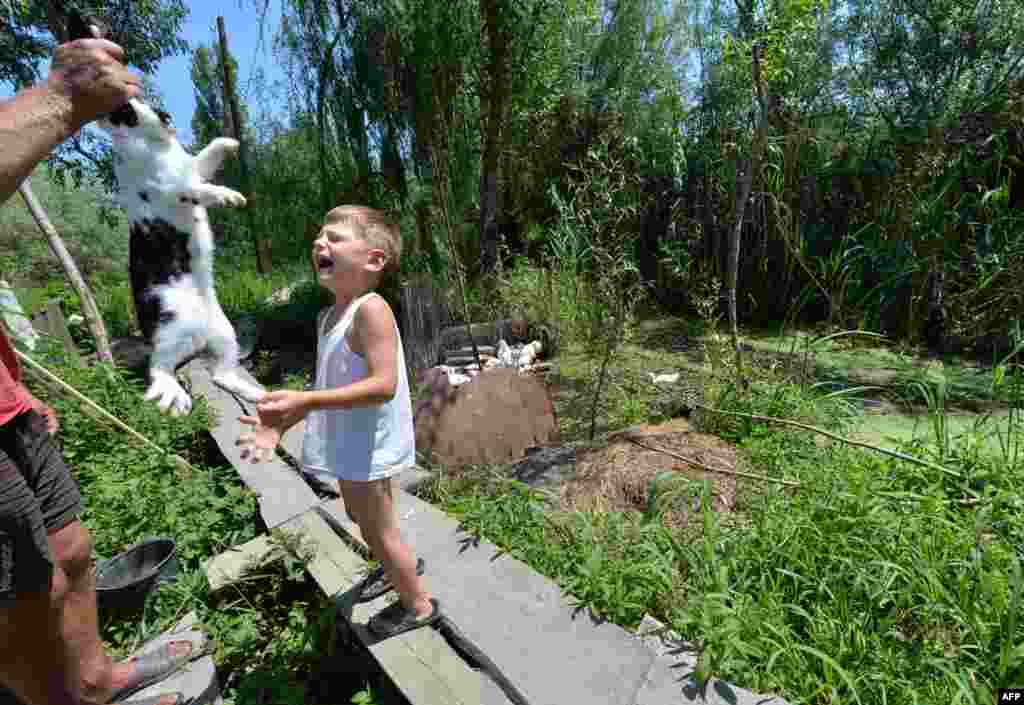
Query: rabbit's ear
[82, 27]
[78, 28]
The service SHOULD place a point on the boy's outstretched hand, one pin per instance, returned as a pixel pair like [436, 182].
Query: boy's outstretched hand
[282, 408]
[260, 443]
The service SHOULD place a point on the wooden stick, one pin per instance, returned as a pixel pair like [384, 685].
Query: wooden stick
[90, 311]
[833, 436]
[702, 466]
[49, 376]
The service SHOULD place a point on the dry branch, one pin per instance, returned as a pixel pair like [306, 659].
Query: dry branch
[835, 437]
[709, 468]
[90, 311]
[54, 380]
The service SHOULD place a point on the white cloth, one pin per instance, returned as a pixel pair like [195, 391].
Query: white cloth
[363, 443]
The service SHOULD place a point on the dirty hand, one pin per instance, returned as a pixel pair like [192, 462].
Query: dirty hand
[90, 74]
[260, 443]
[48, 414]
[283, 407]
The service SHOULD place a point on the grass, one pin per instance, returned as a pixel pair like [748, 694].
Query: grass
[866, 585]
[853, 360]
[876, 581]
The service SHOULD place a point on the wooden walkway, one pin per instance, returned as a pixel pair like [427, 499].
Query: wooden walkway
[551, 652]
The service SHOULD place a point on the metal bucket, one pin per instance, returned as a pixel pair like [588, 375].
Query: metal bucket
[126, 580]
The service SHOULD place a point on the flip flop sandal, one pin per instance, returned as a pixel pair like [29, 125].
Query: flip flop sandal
[152, 667]
[395, 619]
[376, 583]
[155, 699]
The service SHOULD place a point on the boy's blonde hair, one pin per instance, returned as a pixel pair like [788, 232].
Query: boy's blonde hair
[373, 226]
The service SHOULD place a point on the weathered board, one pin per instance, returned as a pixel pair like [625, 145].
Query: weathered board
[282, 494]
[231, 565]
[420, 663]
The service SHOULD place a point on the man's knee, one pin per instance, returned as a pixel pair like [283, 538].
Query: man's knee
[71, 548]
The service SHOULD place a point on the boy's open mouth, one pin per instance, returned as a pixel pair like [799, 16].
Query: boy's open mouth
[324, 263]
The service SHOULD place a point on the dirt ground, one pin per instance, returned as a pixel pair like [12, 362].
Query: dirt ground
[615, 477]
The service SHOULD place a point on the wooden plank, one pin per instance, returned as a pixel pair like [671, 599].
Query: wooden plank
[420, 663]
[551, 651]
[282, 494]
[334, 566]
[59, 328]
[231, 565]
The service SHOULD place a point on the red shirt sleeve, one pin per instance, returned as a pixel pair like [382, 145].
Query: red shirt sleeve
[14, 398]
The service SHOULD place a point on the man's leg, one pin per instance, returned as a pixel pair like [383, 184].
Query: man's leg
[100, 677]
[373, 507]
[33, 661]
[68, 547]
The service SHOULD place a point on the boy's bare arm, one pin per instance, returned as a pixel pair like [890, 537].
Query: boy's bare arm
[373, 336]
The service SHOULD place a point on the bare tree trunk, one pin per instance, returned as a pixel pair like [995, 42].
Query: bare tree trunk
[90, 311]
[745, 172]
[935, 330]
[497, 85]
[235, 121]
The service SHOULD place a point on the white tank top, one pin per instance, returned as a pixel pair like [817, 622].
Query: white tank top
[363, 443]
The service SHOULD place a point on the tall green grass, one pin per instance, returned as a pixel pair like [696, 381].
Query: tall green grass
[876, 581]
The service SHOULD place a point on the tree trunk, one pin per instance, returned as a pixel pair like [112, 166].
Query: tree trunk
[745, 171]
[391, 162]
[231, 99]
[90, 311]
[935, 331]
[497, 85]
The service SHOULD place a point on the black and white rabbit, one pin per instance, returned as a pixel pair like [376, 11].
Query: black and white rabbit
[165, 192]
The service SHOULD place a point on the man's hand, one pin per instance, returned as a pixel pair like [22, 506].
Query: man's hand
[48, 414]
[260, 443]
[90, 74]
[283, 408]
[86, 80]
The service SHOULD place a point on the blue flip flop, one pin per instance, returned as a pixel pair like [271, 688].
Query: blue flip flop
[152, 667]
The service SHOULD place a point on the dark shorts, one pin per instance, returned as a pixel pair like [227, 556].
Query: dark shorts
[37, 496]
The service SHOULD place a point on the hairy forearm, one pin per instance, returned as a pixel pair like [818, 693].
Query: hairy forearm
[32, 124]
[366, 392]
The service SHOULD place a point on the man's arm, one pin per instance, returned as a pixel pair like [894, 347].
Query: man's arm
[86, 80]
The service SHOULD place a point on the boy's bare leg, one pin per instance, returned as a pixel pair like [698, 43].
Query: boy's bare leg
[372, 505]
[352, 517]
